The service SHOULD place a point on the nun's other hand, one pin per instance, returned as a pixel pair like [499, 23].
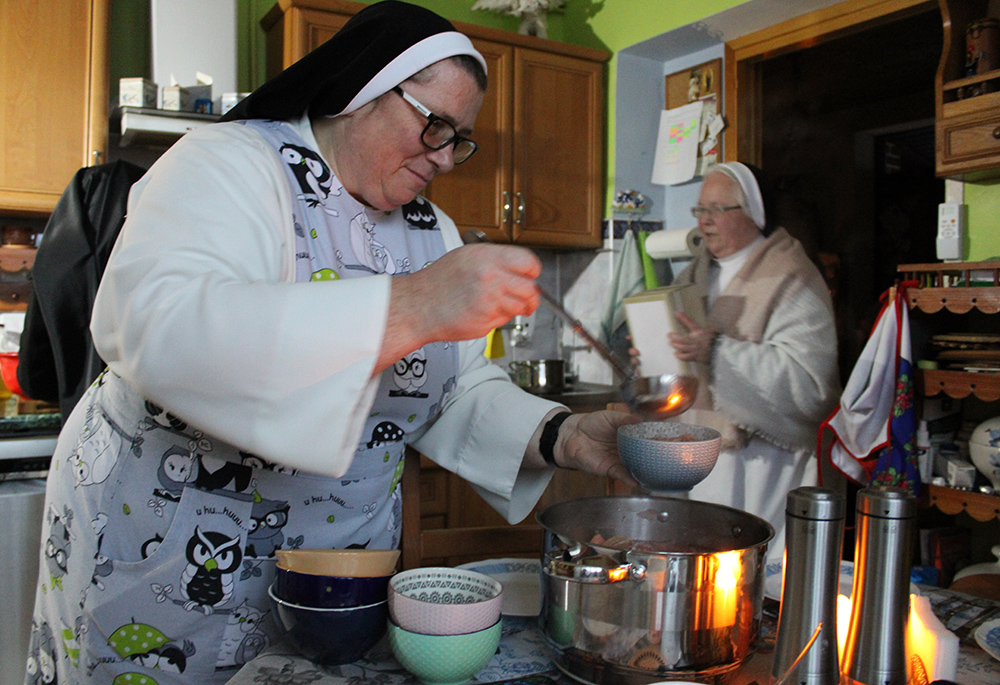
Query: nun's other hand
[696, 344]
[589, 442]
[470, 291]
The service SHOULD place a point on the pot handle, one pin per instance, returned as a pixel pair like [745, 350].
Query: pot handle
[583, 573]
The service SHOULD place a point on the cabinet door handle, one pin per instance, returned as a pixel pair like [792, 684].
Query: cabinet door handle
[519, 217]
[506, 206]
[996, 133]
[96, 155]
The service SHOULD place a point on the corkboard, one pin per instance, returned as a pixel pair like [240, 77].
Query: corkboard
[701, 80]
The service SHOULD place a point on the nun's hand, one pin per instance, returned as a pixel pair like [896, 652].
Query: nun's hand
[696, 344]
[463, 295]
[589, 442]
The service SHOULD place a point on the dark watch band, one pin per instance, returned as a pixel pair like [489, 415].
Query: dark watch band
[547, 443]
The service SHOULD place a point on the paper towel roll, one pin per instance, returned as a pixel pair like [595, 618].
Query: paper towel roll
[679, 242]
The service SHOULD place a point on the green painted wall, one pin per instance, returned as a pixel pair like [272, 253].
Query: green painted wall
[611, 25]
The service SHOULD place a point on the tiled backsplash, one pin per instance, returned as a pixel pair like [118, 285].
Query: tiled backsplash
[581, 280]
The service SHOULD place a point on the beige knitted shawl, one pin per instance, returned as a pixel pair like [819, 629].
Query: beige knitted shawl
[773, 274]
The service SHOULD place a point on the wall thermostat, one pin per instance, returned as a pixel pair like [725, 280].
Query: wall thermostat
[951, 230]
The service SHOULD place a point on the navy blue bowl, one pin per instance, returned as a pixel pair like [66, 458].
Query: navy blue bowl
[331, 637]
[328, 592]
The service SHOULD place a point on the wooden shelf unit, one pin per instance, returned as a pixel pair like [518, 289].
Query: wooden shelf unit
[951, 501]
[967, 124]
[950, 285]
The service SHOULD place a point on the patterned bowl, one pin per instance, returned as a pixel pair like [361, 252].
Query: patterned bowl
[444, 659]
[356, 563]
[444, 601]
[668, 456]
[331, 636]
[328, 592]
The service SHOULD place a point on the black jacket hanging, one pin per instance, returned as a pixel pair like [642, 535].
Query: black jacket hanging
[57, 359]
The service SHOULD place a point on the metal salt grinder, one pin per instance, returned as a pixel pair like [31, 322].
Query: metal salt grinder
[875, 653]
[814, 533]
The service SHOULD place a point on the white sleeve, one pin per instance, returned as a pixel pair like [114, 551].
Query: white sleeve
[783, 387]
[197, 308]
[485, 426]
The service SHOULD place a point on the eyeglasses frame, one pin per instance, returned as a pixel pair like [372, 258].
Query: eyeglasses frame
[698, 211]
[433, 118]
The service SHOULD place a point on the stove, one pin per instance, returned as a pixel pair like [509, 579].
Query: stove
[26, 445]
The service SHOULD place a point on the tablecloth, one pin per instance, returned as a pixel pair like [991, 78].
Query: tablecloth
[523, 652]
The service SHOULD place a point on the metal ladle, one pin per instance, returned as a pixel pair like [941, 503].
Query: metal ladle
[663, 396]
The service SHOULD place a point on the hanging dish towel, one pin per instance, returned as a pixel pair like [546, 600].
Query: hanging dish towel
[874, 426]
[628, 278]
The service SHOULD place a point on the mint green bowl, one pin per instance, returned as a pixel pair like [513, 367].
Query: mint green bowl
[444, 659]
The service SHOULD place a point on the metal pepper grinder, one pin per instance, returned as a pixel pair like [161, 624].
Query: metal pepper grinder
[814, 533]
[875, 653]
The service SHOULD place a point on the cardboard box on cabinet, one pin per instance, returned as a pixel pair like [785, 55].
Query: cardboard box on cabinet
[136, 92]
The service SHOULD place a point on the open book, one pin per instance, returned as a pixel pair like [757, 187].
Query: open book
[651, 316]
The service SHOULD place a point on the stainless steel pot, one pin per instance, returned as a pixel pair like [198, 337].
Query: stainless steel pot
[642, 589]
[540, 376]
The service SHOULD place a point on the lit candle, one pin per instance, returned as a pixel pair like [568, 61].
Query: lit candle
[926, 637]
[727, 577]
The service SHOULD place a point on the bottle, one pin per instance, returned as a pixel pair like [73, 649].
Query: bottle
[875, 652]
[814, 533]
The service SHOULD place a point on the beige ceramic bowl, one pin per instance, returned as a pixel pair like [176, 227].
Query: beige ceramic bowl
[345, 563]
[444, 601]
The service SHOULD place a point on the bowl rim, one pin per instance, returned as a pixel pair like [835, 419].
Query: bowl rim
[312, 557]
[629, 429]
[409, 573]
[327, 575]
[392, 624]
[293, 605]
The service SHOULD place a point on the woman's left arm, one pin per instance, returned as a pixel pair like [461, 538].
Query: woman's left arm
[785, 385]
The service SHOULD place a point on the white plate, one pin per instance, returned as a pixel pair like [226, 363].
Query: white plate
[988, 637]
[522, 588]
[772, 579]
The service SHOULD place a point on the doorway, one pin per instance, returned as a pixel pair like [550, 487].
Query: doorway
[844, 125]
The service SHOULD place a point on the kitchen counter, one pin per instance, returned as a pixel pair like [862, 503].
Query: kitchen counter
[582, 397]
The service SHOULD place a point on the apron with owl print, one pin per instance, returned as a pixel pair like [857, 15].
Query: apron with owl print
[159, 540]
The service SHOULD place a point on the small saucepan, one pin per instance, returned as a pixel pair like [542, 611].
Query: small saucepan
[540, 376]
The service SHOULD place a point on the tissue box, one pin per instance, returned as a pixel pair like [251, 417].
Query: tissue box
[230, 100]
[136, 92]
[177, 99]
[958, 472]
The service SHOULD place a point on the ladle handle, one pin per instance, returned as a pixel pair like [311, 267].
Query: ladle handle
[476, 236]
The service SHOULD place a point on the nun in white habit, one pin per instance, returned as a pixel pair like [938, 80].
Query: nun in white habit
[281, 315]
[767, 357]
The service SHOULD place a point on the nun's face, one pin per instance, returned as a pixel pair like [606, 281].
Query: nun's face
[385, 164]
[726, 231]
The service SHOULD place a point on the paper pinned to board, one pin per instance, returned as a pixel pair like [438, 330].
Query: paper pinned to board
[677, 144]
[651, 317]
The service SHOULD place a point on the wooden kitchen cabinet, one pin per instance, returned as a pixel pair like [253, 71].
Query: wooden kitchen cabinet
[53, 99]
[967, 125]
[538, 177]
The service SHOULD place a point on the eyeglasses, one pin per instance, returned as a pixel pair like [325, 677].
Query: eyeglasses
[438, 133]
[712, 211]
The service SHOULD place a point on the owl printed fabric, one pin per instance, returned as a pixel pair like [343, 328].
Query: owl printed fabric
[161, 539]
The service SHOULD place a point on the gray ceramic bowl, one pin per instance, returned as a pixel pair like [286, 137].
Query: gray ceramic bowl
[660, 462]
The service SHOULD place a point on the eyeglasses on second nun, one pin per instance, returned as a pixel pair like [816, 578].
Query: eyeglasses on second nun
[712, 211]
[438, 133]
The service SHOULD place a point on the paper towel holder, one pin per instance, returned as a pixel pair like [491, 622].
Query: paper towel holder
[674, 244]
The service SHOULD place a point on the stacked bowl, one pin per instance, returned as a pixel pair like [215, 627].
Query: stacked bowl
[333, 603]
[444, 623]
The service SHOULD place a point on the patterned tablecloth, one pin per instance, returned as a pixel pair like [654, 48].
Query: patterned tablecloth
[524, 654]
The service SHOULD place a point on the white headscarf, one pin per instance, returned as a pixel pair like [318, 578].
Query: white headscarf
[751, 191]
